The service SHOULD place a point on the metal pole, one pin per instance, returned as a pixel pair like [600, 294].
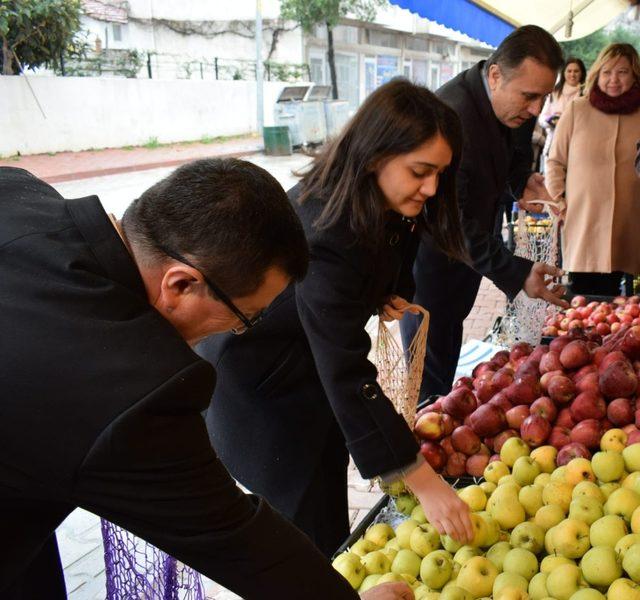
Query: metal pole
[259, 68]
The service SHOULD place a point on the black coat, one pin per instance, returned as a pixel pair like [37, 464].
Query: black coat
[101, 408]
[493, 161]
[282, 385]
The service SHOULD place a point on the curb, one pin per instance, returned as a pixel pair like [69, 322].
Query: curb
[75, 175]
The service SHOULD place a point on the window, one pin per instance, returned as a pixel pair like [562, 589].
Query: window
[383, 38]
[386, 68]
[316, 66]
[117, 32]
[345, 34]
[407, 69]
[420, 72]
[419, 44]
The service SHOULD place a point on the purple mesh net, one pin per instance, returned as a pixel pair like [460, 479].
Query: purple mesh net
[138, 570]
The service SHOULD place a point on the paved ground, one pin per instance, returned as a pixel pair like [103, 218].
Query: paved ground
[79, 536]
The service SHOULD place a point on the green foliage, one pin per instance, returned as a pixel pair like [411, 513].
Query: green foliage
[152, 143]
[38, 32]
[118, 62]
[312, 12]
[588, 47]
[286, 71]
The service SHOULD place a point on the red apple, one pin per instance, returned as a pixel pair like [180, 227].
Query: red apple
[434, 455]
[465, 440]
[571, 451]
[549, 331]
[561, 389]
[630, 344]
[502, 378]
[476, 464]
[487, 419]
[558, 344]
[535, 430]
[575, 354]
[578, 301]
[517, 415]
[550, 362]
[559, 437]
[545, 407]
[456, 465]
[588, 383]
[501, 358]
[524, 390]
[500, 399]
[565, 419]
[587, 432]
[481, 368]
[464, 382]
[547, 377]
[520, 349]
[429, 426]
[618, 380]
[484, 387]
[459, 402]
[633, 437]
[620, 412]
[447, 446]
[588, 405]
[447, 424]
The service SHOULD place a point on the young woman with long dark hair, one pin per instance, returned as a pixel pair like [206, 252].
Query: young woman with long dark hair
[296, 394]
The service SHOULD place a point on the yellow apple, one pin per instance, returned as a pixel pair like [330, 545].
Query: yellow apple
[550, 562]
[623, 502]
[424, 539]
[590, 489]
[488, 487]
[570, 538]
[528, 536]
[491, 531]
[624, 543]
[436, 569]
[477, 576]
[623, 589]
[376, 562]
[607, 465]
[417, 514]
[403, 532]
[635, 520]
[558, 492]
[607, 530]
[586, 509]
[475, 498]
[379, 534]
[406, 561]
[545, 456]
[530, 497]
[368, 582]
[538, 586]
[587, 594]
[613, 439]
[465, 553]
[521, 562]
[513, 449]
[350, 567]
[548, 516]
[480, 530]
[508, 479]
[577, 470]
[631, 562]
[631, 455]
[495, 470]
[497, 552]
[362, 547]
[600, 566]
[559, 474]
[455, 592]
[505, 507]
[631, 480]
[509, 580]
[449, 544]
[525, 470]
[542, 479]
[390, 578]
[563, 582]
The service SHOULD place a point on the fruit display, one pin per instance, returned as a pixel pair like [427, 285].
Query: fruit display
[564, 395]
[542, 531]
[602, 318]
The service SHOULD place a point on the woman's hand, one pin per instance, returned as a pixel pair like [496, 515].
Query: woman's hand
[442, 506]
[395, 307]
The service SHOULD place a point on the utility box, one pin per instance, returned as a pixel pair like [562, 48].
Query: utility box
[336, 112]
[304, 117]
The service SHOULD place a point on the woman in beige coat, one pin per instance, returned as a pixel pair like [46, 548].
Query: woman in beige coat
[591, 166]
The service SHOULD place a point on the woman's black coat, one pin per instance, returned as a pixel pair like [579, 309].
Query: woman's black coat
[282, 385]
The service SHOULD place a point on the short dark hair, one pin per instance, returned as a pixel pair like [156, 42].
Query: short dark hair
[229, 216]
[572, 60]
[529, 41]
[395, 119]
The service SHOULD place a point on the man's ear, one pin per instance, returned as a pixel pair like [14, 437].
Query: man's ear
[179, 281]
[494, 76]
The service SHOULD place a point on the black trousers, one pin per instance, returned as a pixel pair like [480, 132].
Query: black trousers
[448, 290]
[599, 284]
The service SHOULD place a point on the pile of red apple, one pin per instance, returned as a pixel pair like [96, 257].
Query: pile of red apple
[565, 394]
[602, 318]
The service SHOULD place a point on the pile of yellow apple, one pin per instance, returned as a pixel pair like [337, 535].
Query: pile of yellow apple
[542, 532]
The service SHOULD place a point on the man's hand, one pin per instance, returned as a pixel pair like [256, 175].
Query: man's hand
[535, 285]
[389, 591]
[395, 308]
[535, 190]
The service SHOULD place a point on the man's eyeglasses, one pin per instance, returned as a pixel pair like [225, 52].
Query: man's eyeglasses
[246, 321]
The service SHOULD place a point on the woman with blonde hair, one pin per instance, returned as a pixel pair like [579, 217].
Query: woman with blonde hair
[591, 167]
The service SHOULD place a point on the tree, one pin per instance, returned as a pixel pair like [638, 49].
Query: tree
[588, 47]
[310, 13]
[38, 32]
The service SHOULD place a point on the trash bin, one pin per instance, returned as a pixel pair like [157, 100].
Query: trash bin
[277, 141]
[305, 118]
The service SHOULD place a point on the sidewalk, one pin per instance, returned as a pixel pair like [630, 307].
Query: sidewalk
[70, 166]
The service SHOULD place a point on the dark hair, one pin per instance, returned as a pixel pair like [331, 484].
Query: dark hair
[229, 216]
[529, 41]
[395, 119]
[572, 60]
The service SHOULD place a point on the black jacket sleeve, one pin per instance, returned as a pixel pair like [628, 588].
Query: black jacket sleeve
[333, 314]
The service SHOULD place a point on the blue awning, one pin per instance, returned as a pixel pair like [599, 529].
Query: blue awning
[462, 15]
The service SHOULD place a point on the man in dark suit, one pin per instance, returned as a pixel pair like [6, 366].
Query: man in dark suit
[102, 394]
[493, 99]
